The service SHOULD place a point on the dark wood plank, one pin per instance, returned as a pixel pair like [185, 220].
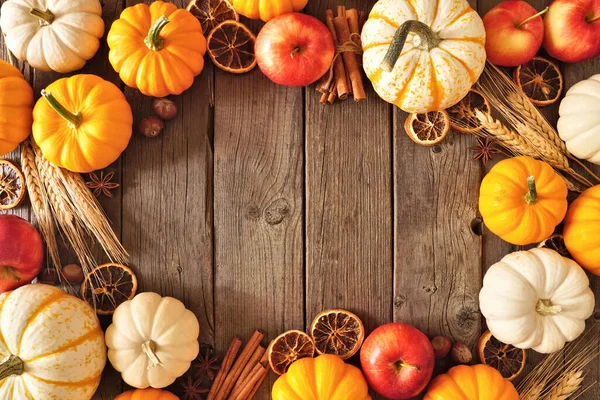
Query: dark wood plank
[258, 138]
[348, 201]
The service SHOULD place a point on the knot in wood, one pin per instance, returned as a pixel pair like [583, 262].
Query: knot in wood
[253, 212]
[277, 211]
[399, 301]
[467, 318]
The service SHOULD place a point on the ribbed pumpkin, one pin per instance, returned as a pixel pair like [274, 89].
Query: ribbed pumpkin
[16, 103]
[522, 200]
[477, 382]
[423, 55]
[326, 377]
[82, 123]
[147, 394]
[582, 230]
[157, 49]
[51, 345]
[267, 9]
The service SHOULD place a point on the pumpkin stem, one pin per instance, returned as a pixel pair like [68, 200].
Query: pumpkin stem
[395, 49]
[46, 16]
[74, 119]
[153, 41]
[13, 365]
[149, 348]
[544, 11]
[545, 308]
[531, 196]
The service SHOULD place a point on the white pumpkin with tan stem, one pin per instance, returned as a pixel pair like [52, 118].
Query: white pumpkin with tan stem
[152, 340]
[58, 35]
[579, 122]
[423, 55]
[536, 299]
[51, 345]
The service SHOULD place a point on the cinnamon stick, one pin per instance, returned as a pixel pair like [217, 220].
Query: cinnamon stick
[352, 17]
[339, 70]
[362, 18]
[226, 364]
[252, 381]
[239, 365]
[258, 384]
[351, 62]
[324, 98]
[332, 95]
[252, 363]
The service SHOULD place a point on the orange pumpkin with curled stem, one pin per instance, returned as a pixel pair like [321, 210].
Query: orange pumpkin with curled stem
[147, 394]
[16, 103]
[157, 49]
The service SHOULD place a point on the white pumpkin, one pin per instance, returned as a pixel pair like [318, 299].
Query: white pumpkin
[443, 55]
[152, 340]
[58, 35]
[579, 122]
[536, 299]
[51, 345]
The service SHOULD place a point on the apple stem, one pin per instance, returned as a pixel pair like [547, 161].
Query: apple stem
[544, 11]
[398, 365]
[593, 19]
[295, 51]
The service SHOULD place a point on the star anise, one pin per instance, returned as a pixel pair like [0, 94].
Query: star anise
[485, 149]
[102, 185]
[206, 365]
[192, 389]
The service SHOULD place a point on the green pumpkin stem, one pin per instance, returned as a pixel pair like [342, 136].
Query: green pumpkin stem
[545, 308]
[544, 11]
[74, 119]
[149, 348]
[531, 197]
[395, 49]
[13, 365]
[46, 16]
[153, 40]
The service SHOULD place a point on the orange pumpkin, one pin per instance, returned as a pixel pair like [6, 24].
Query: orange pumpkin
[16, 103]
[522, 200]
[157, 49]
[582, 230]
[147, 394]
[267, 9]
[82, 123]
[477, 382]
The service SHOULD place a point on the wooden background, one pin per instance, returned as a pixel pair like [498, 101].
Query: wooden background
[259, 207]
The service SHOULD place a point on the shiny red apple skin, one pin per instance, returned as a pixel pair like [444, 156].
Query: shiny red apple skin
[388, 346]
[294, 49]
[507, 45]
[572, 30]
[21, 252]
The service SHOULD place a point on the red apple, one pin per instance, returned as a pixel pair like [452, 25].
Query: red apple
[572, 30]
[514, 33]
[397, 360]
[294, 49]
[21, 252]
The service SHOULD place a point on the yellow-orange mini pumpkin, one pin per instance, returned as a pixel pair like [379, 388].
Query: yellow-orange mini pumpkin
[82, 123]
[326, 377]
[147, 394]
[522, 200]
[582, 230]
[157, 49]
[16, 102]
[477, 382]
[267, 9]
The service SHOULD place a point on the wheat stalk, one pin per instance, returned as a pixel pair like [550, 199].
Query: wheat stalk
[566, 386]
[547, 150]
[533, 393]
[505, 136]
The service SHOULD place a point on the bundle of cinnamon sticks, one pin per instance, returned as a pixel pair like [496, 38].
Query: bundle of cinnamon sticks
[240, 379]
[345, 77]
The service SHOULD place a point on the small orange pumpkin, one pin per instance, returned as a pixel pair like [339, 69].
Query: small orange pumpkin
[16, 103]
[582, 230]
[267, 9]
[522, 200]
[147, 394]
[157, 49]
[477, 382]
[82, 123]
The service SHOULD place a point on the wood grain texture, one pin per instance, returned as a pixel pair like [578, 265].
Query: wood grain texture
[258, 137]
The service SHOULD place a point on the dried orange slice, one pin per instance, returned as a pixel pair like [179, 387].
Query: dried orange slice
[289, 347]
[506, 358]
[107, 286]
[211, 13]
[338, 332]
[231, 47]
[556, 243]
[540, 80]
[12, 185]
[462, 114]
[429, 128]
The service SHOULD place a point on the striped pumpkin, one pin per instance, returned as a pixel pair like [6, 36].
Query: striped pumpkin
[51, 345]
[423, 55]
